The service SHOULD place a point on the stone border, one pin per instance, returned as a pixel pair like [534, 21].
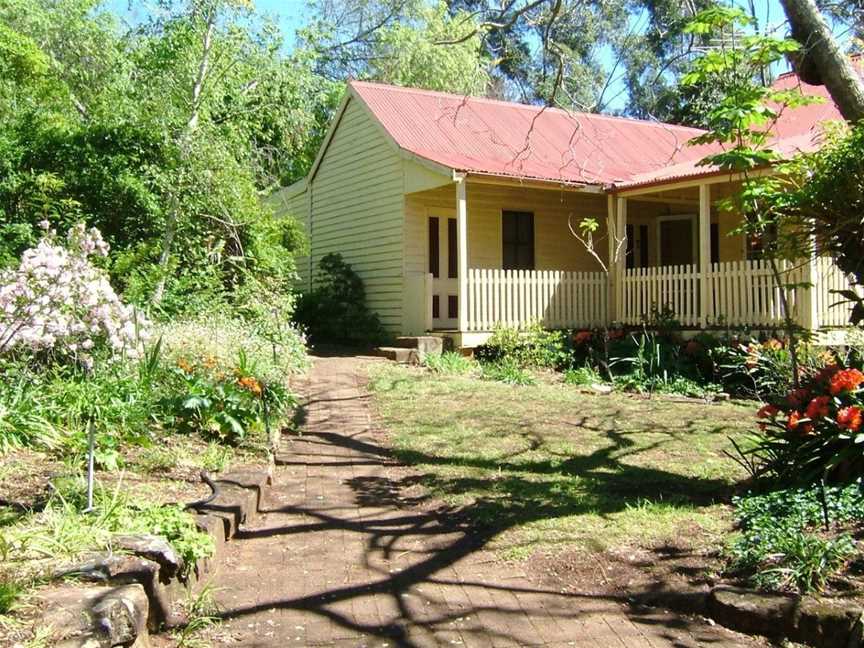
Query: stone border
[823, 623]
[137, 592]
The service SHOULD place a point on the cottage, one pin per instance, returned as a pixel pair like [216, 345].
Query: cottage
[457, 213]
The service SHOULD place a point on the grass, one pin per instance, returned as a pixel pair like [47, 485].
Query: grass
[544, 466]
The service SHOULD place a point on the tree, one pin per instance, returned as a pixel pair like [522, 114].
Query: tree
[820, 61]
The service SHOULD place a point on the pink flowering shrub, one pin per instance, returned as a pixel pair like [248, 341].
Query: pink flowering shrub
[57, 302]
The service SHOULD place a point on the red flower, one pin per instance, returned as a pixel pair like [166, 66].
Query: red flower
[797, 398]
[616, 334]
[693, 348]
[794, 424]
[846, 380]
[582, 337]
[819, 407]
[767, 412]
[849, 418]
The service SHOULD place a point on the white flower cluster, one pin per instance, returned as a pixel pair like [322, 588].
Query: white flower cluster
[56, 300]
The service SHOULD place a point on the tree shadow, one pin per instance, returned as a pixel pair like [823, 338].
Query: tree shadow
[477, 604]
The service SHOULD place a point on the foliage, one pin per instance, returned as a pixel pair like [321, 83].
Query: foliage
[814, 432]
[780, 545]
[224, 404]
[411, 43]
[822, 194]
[61, 531]
[274, 347]
[97, 125]
[10, 592]
[506, 369]
[335, 310]
[530, 346]
[449, 363]
[585, 375]
[57, 303]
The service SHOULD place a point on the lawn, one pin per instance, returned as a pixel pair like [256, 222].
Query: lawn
[551, 467]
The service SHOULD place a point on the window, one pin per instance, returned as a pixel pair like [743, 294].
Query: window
[715, 243]
[636, 257]
[517, 235]
[452, 264]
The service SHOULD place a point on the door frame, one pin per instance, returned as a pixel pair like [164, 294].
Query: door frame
[443, 286]
[694, 229]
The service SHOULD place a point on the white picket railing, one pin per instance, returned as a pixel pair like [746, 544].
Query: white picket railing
[557, 299]
[744, 293]
[673, 287]
[829, 306]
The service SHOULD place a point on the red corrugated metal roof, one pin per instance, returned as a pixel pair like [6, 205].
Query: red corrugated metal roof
[499, 138]
[485, 136]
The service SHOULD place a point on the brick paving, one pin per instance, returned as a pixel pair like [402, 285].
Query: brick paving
[347, 554]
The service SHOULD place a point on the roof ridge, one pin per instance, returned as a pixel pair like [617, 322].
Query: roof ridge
[522, 106]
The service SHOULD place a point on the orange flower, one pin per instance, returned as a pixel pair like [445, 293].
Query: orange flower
[250, 384]
[819, 407]
[184, 365]
[774, 344]
[849, 418]
[582, 337]
[794, 424]
[847, 380]
[767, 412]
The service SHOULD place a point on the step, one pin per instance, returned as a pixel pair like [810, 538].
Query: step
[399, 354]
[423, 343]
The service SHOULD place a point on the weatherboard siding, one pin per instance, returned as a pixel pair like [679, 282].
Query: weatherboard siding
[357, 207]
[555, 248]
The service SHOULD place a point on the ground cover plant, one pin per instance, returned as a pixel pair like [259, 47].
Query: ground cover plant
[548, 467]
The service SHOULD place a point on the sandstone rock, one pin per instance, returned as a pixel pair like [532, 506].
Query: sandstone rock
[154, 548]
[752, 612]
[97, 617]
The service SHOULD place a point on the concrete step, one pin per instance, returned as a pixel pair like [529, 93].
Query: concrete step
[399, 354]
[423, 343]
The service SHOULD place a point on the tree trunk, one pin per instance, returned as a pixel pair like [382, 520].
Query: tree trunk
[821, 61]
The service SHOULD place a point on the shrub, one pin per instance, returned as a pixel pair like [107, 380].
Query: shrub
[335, 310]
[813, 433]
[780, 545]
[224, 404]
[221, 339]
[58, 303]
[529, 347]
[507, 370]
[582, 376]
[449, 362]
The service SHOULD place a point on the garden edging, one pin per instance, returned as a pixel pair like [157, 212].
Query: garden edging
[821, 623]
[138, 592]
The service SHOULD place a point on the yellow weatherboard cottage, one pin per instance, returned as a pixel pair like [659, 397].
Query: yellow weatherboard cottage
[458, 214]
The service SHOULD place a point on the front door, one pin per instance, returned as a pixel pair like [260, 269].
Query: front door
[443, 266]
[676, 241]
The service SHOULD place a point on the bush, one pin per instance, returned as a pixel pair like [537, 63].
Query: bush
[813, 433]
[528, 347]
[335, 310]
[449, 362]
[276, 355]
[224, 403]
[507, 370]
[57, 303]
[781, 546]
[582, 376]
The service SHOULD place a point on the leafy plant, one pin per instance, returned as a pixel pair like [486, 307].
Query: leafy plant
[582, 376]
[780, 545]
[506, 370]
[449, 362]
[530, 346]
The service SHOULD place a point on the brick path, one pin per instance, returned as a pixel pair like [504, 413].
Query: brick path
[346, 556]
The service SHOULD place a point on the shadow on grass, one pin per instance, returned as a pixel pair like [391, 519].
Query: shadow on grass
[417, 550]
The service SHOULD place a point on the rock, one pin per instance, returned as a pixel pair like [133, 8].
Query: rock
[601, 389]
[123, 569]
[425, 344]
[154, 548]
[752, 612]
[828, 623]
[97, 617]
